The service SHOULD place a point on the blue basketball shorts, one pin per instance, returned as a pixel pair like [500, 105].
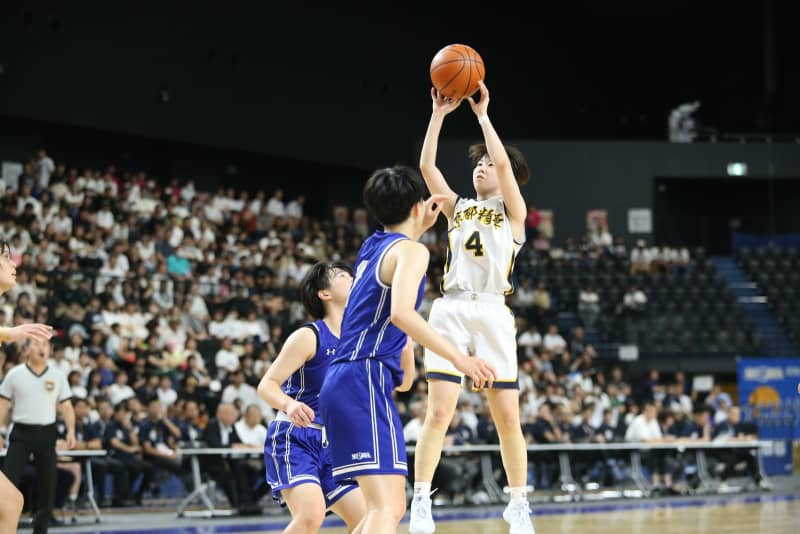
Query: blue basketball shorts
[295, 455]
[364, 429]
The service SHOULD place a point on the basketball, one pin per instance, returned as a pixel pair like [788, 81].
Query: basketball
[455, 71]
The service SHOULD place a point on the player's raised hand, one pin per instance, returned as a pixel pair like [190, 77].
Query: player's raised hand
[300, 414]
[481, 107]
[433, 207]
[482, 374]
[443, 104]
[38, 331]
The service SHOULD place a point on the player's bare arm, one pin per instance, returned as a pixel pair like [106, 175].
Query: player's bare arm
[509, 188]
[298, 349]
[408, 366]
[434, 179]
[405, 265]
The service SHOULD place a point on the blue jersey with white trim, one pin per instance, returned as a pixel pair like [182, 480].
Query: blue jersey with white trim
[367, 331]
[304, 384]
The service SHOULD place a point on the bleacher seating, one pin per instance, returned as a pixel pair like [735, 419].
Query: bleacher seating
[776, 272]
[688, 310]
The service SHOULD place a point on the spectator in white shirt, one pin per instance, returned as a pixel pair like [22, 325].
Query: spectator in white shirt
[250, 428]
[62, 223]
[602, 237]
[166, 394]
[588, 306]
[641, 258]
[645, 429]
[529, 341]
[275, 206]
[25, 197]
[258, 202]
[524, 294]
[553, 341]
[120, 390]
[45, 167]
[295, 208]
[226, 359]
[634, 300]
[104, 218]
[58, 361]
[239, 390]
[414, 426]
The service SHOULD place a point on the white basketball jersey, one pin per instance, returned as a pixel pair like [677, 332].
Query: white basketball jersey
[481, 248]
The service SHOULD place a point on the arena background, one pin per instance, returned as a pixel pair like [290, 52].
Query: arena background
[311, 98]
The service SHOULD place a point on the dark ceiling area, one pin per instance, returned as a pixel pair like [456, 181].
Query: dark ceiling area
[349, 85]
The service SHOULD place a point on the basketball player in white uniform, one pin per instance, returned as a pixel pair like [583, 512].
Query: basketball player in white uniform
[485, 235]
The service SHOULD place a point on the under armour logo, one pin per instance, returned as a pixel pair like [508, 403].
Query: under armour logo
[330, 352]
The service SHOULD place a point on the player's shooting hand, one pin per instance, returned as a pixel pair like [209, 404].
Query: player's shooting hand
[300, 414]
[481, 107]
[36, 331]
[482, 374]
[433, 207]
[443, 104]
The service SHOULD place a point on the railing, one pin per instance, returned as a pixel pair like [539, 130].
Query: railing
[565, 452]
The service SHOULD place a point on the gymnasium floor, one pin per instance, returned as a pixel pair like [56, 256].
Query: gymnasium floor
[776, 512]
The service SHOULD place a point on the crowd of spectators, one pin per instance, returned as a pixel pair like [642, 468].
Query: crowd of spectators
[170, 303]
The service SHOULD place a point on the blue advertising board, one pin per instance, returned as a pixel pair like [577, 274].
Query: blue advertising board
[769, 397]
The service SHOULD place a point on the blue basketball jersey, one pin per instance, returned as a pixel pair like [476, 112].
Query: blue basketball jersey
[304, 384]
[367, 331]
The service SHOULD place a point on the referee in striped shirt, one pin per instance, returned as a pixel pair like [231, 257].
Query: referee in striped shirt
[37, 392]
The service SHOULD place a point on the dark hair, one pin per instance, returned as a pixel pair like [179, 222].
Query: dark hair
[4, 246]
[519, 165]
[391, 192]
[121, 406]
[315, 280]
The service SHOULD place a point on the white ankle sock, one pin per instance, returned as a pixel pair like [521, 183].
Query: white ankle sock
[422, 488]
[520, 492]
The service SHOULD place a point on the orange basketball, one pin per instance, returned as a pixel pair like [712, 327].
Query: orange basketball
[455, 71]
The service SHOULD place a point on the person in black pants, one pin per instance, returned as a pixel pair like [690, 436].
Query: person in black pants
[37, 392]
[158, 437]
[123, 445]
[229, 473]
[93, 436]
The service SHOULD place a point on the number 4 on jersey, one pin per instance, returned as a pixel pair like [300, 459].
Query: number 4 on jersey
[474, 244]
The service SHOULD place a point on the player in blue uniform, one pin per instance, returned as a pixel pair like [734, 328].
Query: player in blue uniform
[375, 356]
[296, 452]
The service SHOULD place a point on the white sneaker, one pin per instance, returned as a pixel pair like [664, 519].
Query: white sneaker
[421, 519]
[518, 515]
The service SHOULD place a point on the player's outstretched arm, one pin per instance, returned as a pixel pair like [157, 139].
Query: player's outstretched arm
[298, 349]
[509, 188]
[408, 263]
[434, 178]
[38, 331]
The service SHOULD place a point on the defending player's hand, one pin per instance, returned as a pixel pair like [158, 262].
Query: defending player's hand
[481, 107]
[300, 414]
[36, 331]
[433, 207]
[443, 104]
[482, 374]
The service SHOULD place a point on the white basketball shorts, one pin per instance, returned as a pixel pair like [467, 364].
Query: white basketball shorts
[481, 325]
